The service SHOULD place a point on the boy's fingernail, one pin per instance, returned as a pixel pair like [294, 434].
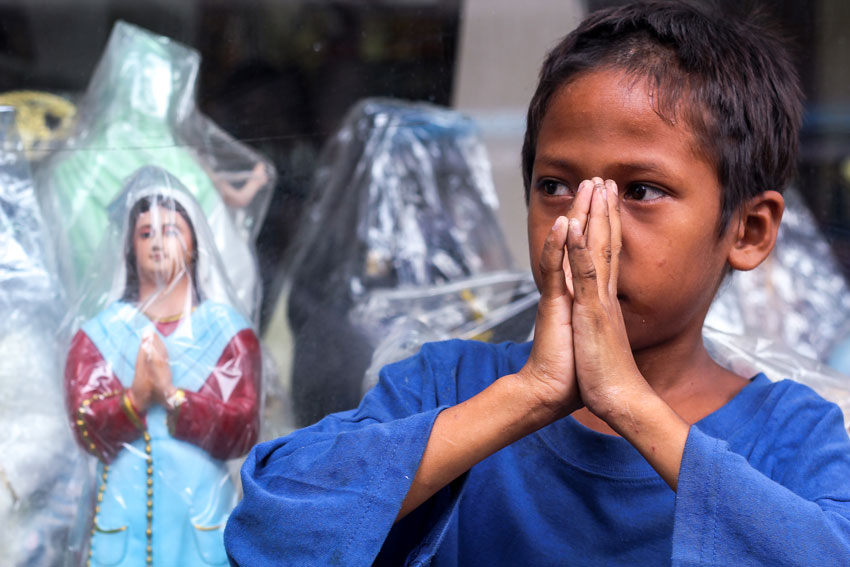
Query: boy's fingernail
[574, 226]
[612, 185]
[559, 222]
[583, 185]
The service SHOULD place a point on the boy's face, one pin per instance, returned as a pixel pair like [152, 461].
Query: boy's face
[602, 124]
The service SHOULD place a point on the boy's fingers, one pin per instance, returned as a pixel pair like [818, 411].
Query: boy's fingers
[599, 233]
[552, 261]
[581, 265]
[568, 275]
[580, 208]
[616, 234]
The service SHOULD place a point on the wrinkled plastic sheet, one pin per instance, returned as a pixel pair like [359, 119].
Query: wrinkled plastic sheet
[748, 355]
[402, 197]
[139, 109]
[41, 474]
[43, 120]
[163, 382]
[494, 307]
[797, 297]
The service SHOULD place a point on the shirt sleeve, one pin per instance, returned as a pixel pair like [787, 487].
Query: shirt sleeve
[102, 417]
[329, 494]
[786, 503]
[224, 426]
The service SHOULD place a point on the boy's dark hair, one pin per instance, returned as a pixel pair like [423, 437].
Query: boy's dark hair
[731, 80]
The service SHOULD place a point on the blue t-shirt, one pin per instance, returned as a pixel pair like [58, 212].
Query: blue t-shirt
[765, 480]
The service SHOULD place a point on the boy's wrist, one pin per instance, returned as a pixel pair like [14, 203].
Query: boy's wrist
[617, 406]
[544, 403]
[649, 423]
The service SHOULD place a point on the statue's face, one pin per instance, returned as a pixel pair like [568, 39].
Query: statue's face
[163, 245]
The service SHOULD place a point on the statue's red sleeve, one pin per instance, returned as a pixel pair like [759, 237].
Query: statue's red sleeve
[102, 417]
[223, 417]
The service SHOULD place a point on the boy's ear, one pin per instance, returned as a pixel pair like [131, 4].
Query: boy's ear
[758, 224]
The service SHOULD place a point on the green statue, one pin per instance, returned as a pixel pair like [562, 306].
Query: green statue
[139, 109]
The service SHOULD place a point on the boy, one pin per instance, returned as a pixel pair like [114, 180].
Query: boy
[657, 141]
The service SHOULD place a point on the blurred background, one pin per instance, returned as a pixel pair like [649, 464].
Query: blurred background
[371, 227]
[280, 76]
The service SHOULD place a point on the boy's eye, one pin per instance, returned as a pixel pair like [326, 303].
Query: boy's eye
[643, 192]
[554, 188]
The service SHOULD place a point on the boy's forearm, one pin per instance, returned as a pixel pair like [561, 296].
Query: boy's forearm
[646, 421]
[469, 432]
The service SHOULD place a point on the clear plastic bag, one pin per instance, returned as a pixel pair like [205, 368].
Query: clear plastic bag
[163, 382]
[797, 296]
[402, 197]
[44, 120]
[41, 473]
[139, 109]
[495, 307]
[748, 355]
[840, 357]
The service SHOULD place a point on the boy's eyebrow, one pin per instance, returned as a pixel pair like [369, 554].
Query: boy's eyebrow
[641, 166]
[553, 161]
[621, 167]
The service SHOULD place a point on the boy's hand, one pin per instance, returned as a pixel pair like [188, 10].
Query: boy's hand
[608, 378]
[550, 368]
[605, 367]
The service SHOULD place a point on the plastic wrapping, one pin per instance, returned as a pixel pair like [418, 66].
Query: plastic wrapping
[402, 196]
[748, 355]
[40, 471]
[163, 382]
[840, 357]
[139, 109]
[44, 121]
[797, 296]
[495, 307]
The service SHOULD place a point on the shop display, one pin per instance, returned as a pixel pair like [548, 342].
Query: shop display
[402, 197]
[797, 297]
[163, 383]
[41, 473]
[139, 109]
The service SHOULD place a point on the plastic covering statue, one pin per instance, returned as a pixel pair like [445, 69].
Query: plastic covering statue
[44, 121]
[493, 307]
[41, 472]
[402, 197]
[139, 110]
[785, 317]
[798, 297]
[162, 384]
